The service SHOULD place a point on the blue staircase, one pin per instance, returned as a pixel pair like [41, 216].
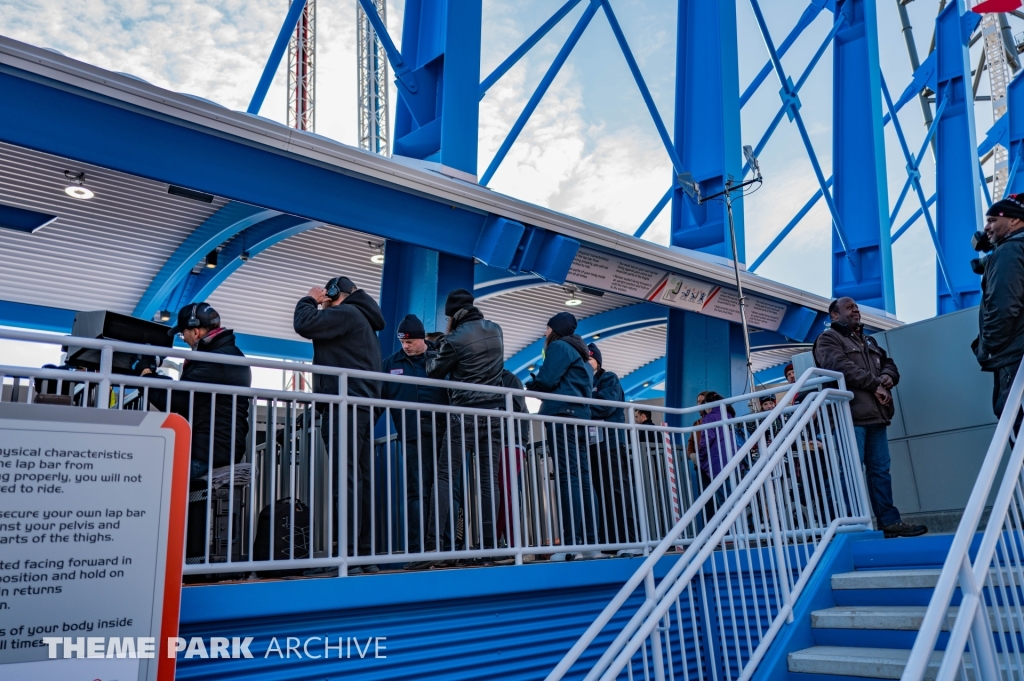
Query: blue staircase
[861, 612]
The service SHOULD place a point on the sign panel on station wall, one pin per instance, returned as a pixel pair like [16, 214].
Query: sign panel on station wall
[92, 512]
[629, 278]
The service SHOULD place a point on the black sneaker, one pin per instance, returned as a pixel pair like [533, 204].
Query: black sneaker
[901, 529]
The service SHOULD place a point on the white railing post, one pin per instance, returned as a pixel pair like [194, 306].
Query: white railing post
[659, 660]
[106, 369]
[777, 542]
[512, 479]
[639, 494]
[342, 475]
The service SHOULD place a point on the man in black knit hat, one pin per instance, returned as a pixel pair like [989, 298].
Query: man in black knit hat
[416, 428]
[471, 351]
[999, 346]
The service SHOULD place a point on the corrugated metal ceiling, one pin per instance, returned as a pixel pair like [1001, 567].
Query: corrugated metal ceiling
[523, 315]
[627, 352]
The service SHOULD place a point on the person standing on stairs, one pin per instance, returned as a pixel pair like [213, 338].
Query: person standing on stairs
[870, 374]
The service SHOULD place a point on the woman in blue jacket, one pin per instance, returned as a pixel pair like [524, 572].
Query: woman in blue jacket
[566, 371]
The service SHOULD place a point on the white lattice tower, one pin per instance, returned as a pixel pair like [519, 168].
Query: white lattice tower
[297, 381]
[372, 64]
[998, 78]
[302, 71]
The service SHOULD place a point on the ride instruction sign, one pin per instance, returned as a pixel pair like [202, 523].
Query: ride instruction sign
[92, 511]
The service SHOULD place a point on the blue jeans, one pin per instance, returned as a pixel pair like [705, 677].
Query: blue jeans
[873, 445]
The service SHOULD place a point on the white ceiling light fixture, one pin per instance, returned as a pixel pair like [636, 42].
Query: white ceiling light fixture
[77, 190]
[573, 301]
[378, 252]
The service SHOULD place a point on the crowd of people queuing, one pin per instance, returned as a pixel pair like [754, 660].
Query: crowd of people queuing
[592, 464]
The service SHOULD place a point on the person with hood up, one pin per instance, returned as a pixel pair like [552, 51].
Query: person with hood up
[471, 351]
[566, 371]
[342, 320]
[608, 447]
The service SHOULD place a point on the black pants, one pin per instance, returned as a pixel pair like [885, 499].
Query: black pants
[421, 451]
[360, 447]
[472, 440]
[1003, 379]
[614, 479]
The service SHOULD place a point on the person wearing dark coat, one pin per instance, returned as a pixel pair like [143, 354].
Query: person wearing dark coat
[215, 441]
[566, 371]
[999, 346]
[471, 351]
[417, 429]
[870, 374]
[609, 449]
[342, 321]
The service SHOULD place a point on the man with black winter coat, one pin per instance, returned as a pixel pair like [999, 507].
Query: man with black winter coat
[610, 451]
[471, 351]
[419, 430]
[342, 321]
[870, 374]
[219, 439]
[566, 371]
[213, 439]
[1000, 343]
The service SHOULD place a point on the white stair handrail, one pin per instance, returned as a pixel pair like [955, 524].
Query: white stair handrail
[971, 620]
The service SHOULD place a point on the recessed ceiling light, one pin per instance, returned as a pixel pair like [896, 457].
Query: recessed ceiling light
[647, 385]
[76, 192]
[596, 336]
[531, 368]
[163, 316]
[211, 260]
[573, 302]
[377, 258]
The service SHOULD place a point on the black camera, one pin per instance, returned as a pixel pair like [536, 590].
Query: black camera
[980, 242]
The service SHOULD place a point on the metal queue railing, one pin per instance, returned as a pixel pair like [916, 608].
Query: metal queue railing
[312, 482]
[722, 602]
[986, 629]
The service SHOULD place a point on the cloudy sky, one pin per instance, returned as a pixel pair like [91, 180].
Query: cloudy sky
[590, 149]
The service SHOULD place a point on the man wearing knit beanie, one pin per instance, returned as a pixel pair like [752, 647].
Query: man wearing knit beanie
[999, 346]
[420, 435]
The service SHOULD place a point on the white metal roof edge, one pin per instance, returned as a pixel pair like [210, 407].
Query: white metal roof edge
[267, 133]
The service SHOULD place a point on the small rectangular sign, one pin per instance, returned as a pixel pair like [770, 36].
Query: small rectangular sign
[92, 513]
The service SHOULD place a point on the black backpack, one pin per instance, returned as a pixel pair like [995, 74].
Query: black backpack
[282, 531]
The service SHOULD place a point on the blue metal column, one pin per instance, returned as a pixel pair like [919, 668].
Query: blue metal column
[408, 286]
[1015, 135]
[707, 140]
[452, 272]
[707, 124]
[441, 43]
[958, 206]
[858, 161]
[698, 357]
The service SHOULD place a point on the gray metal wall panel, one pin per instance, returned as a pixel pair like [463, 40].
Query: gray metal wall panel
[946, 466]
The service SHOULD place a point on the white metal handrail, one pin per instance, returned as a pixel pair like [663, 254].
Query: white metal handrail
[987, 630]
[524, 484]
[738, 532]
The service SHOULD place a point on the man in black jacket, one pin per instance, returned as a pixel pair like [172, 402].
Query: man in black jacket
[471, 351]
[609, 449]
[870, 374]
[213, 438]
[1000, 343]
[415, 428]
[218, 435]
[342, 321]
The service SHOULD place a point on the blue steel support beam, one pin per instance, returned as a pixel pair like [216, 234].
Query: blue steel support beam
[858, 162]
[441, 43]
[521, 51]
[221, 226]
[633, 383]
[806, 19]
[958, 208]
[645, 92]
[538, 94]
[408, 286]
[274, 60]
[251, 242]
[698, 357]
[492, 281]
[911, 220]
[792, 103]
[607, 324]
[36, 115]
[707, 124]
[653, 215]
[1015, 122]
